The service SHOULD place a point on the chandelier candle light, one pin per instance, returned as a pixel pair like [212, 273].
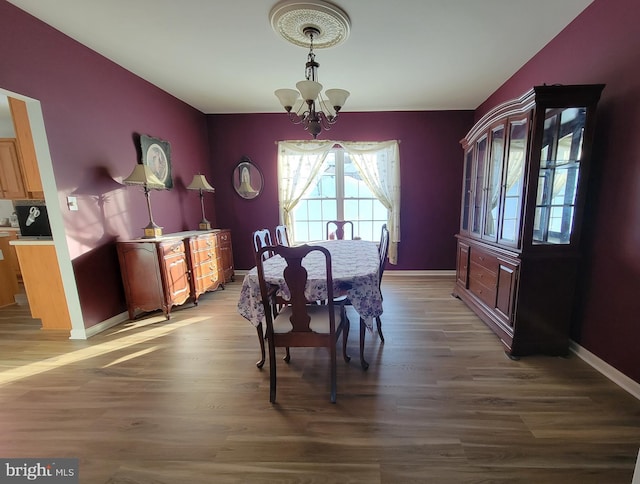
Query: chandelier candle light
[201, 184]
[142, 175]
[322, 25]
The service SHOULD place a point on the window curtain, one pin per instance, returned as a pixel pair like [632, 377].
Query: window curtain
[379, 167]
[299, 167]
[300, 164]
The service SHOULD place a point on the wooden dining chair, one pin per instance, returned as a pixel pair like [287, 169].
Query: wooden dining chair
[262, 238]
[383, 251]
[300, 324]
[282, 235]
[339, 232]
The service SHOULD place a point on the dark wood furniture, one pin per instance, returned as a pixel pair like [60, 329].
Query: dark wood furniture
[299, 324]
[262, 238]
[339, 229]
[168, 271]
[383, 251]
[282, 235]
[526, 166]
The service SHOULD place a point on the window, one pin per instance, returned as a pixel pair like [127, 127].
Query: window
[354, 180]
[339, 194]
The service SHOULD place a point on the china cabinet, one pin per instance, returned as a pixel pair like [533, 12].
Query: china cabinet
[526, 165]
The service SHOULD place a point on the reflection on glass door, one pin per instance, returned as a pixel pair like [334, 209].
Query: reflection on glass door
[478, 190]
[558, 176]
[494, 178]
[513, 181]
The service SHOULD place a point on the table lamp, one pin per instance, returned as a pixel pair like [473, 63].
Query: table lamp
[201, 184]
[142, 175]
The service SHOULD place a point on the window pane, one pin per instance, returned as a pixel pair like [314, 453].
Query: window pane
[329, 210]
[351, 210]
[339, 197]
[316, 231]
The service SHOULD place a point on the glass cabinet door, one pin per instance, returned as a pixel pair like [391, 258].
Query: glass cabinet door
[466, 191]
[494, 178]
[512, 192]
[558, 176]
[478, 185]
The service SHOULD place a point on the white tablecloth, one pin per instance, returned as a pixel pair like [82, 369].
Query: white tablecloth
[354, 264]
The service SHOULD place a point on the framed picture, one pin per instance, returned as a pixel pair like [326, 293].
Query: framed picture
[156, 154]
[247, 179]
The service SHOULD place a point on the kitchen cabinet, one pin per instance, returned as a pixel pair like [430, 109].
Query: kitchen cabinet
[11, 179]
[526, 165]
[26, 149]
[8, 279]
[43, 282]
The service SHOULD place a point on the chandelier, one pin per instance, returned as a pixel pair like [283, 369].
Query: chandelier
[316, 24]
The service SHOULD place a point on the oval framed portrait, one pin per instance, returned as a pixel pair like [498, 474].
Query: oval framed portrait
[156, 154]
[247, 179]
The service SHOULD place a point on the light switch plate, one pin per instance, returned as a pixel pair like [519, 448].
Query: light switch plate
[72, 203]
[1, 255]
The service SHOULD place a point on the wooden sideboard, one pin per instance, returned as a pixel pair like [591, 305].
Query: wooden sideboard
[168, 271]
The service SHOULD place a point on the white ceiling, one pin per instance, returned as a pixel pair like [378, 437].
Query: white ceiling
[221, 56]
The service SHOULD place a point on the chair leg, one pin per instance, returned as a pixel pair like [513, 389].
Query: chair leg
[363, 331]
[379, 324]
[287, 356]
[346, 326]
[260, 363]
[272, 372]
[334, 372]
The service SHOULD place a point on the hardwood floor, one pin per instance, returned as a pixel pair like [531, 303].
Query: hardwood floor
[181, 401]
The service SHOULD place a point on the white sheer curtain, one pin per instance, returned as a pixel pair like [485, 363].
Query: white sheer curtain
[379, 166]
[300, 165]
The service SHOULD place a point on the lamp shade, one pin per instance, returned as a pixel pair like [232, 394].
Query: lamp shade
[337, 97]
[309, 89]
[199, 182]
[142, 175]
[287, 97]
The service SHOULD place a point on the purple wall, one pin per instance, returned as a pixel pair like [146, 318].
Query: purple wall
[603, 46]
[431, 174]
[93, 110]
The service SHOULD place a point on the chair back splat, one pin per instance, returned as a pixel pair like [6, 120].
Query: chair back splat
[339, 232]
[262, 238]
[282, 235]
[299, 324]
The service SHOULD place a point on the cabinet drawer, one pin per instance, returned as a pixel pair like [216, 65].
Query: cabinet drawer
[202, 243]
[172, 249]
[486, 294]
[483, 275]
[484, 259]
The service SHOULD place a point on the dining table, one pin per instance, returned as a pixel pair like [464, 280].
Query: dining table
[354, 267]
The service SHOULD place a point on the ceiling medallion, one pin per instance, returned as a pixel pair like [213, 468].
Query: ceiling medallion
[291, 19]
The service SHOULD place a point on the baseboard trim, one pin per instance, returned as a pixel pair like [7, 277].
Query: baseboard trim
[390, 272]
[607, 370]
[106, 324]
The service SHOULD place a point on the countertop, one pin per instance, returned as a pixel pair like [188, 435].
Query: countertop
[32, 241]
